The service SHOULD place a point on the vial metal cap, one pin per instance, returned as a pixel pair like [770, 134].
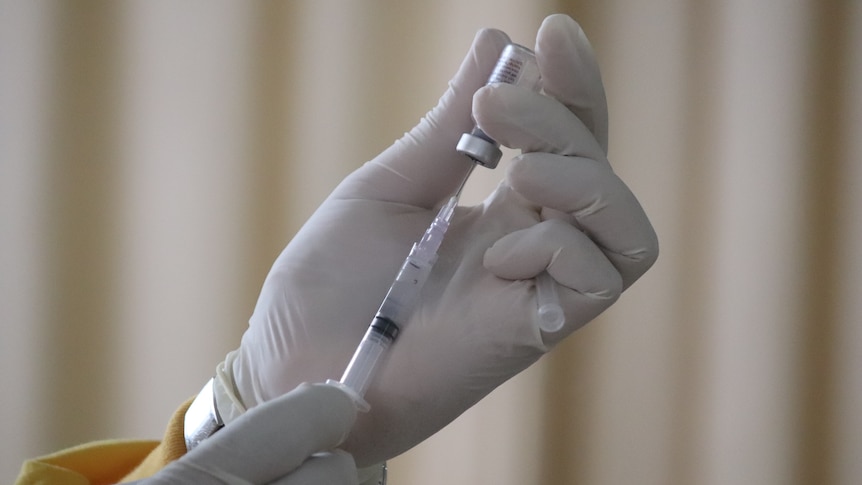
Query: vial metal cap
[479, 149]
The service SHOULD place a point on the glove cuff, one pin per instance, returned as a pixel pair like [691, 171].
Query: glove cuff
[227, 402]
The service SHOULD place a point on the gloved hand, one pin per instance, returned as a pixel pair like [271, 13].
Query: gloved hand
[287, 441]
[560, 208]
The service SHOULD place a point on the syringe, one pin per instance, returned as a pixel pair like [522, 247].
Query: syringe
[397, 307]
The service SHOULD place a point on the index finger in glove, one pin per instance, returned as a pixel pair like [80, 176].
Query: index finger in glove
[570, 73]
[602, 205]
[273, 439]
[522, 119]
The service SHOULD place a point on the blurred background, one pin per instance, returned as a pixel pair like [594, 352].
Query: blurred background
[156, 156]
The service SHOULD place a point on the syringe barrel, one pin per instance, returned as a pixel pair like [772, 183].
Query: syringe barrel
[516, 65]
[404, 292]
[361, 369]
[395, 309]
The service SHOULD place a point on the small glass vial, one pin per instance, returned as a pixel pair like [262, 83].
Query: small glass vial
[517, 65]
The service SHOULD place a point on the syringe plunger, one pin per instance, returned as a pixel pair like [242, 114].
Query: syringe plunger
[549, 313]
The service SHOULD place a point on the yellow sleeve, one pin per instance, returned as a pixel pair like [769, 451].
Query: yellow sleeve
[108, 462]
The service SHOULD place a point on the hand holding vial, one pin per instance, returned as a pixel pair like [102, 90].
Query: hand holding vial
[472, 327]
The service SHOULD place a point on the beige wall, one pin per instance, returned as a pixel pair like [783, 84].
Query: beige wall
[156, 156]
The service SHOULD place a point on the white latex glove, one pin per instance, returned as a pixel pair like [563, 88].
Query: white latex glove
[474, 327]
[286, 441]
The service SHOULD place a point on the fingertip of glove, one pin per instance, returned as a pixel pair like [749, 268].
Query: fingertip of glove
[487, 46]
[495, 257]
[323, 407]
[560, 27]
[453, 109]
[483, 54]
[340, 399]
[334, 466]
[345, 459]
[515, 256]
[490, 37]
[491, 257]
[561, 20]
[492, 32]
